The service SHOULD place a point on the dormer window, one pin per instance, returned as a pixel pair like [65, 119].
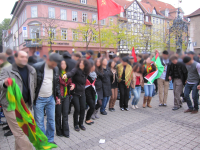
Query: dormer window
[147, 19]
[154, 12]
[83, 1]
[167, 13]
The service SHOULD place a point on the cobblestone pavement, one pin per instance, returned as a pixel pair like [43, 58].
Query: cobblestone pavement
[143, 129]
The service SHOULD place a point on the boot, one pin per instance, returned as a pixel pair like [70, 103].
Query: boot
[96, 114]
[93, 116]
[148, 102]
[144, 102]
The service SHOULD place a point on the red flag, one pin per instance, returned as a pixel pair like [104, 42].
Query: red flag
[108, 8]
[134, 55]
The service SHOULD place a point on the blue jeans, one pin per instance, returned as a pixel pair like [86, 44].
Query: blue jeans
[148, 90]
[136, 93]
[171, 85]
[104, 103]
[47, 103]
[195, 95]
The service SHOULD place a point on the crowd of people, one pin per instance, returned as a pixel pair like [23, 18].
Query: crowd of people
[52, 85]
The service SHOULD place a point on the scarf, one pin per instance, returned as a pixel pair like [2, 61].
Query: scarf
[114, 73]
[65, 88]
[24, 117]
[128, 74]
[93, 75]
[88, 57]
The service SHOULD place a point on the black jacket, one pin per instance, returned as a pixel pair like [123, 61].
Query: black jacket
[11, 59]
[71, 63]
[106, 84]
[167, 73]
[79, 79]
[98, 83]
[182, 71]
[39, 67]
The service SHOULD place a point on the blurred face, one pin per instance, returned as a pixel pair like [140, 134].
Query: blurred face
[63, 65]
[87, 55]
[81, 66]
[92, 69]
[191, 56]
[164, 56]
[131, 61]
[113, 64]
[138, 69]
[105, 62]
[22, 59]
[174, 61]
[124, 63]
[148, 60]
[98, 63]
[198, 55]
[51, 64]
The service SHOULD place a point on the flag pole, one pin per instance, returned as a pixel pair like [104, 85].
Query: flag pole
[99, 28]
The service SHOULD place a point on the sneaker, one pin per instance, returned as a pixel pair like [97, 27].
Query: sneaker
[6, 128]
[82, 127]
[136, 106]
[110, 109]
[164, 105]
[9, 133]
[104, 113]
[76, 128]
[113, 109]
[122, 109]
[175, 108]
[160, 105]
[133, 106]
[126, 109]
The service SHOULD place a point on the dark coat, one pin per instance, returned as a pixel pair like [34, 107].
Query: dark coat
[167, 73]
[182, 71]
[98, 85]
[39, 67]
[106, 84]
[71, 63]
[11, 59]
[79, 79]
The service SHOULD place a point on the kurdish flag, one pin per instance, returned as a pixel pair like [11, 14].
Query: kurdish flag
[156, 74]
[25, 119]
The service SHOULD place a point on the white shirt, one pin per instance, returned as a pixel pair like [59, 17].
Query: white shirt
[166, 62]
[46, 89]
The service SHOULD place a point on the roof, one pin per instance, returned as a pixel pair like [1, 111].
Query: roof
[14, 7]
[147, 7]
[196, 13]
[148, 23]
[124, 3]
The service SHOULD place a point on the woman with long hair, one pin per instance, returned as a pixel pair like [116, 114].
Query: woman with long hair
[106, 85]
[148, 87]
[98, 86]
[62, 127]
[90, 93]
[79, 76]
[136, 84]
[114, 85]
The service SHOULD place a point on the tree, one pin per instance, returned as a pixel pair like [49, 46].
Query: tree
[4, 26]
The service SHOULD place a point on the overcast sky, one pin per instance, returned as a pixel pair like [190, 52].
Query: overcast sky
[188, 7]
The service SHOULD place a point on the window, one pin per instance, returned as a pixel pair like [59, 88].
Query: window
[20, 39]
[135, 15]
[147, 19]
[84, 17]
[64, 34]
[154, 12]
[122, 14]
[52, 33]
[167, 13]
[141, 16]
[156, 20]
[161, 21]
[85, 36]
[51, 12]
[103, 22]
[129, 15]
[63, 14]
[153, 20]
[83, 1]
[33, 11]
[110, 21]
[74, 35]
[35, 32]
[94, 37]
[167, 24]
[74, 16]
[94, 19]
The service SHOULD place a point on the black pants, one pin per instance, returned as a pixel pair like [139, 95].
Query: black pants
[124, 95]
[79, 106]
[90, 100]
[62, 128]
[98, 105]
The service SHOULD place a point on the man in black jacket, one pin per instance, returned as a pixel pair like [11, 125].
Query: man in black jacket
[71, 63]
[47, 93]
[10, 57]
[178, 74]
[163, 81]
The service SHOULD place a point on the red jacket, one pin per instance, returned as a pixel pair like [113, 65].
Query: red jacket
[63, 84]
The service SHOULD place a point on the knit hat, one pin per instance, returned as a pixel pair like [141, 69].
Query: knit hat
[125, 59]
[90, 52]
